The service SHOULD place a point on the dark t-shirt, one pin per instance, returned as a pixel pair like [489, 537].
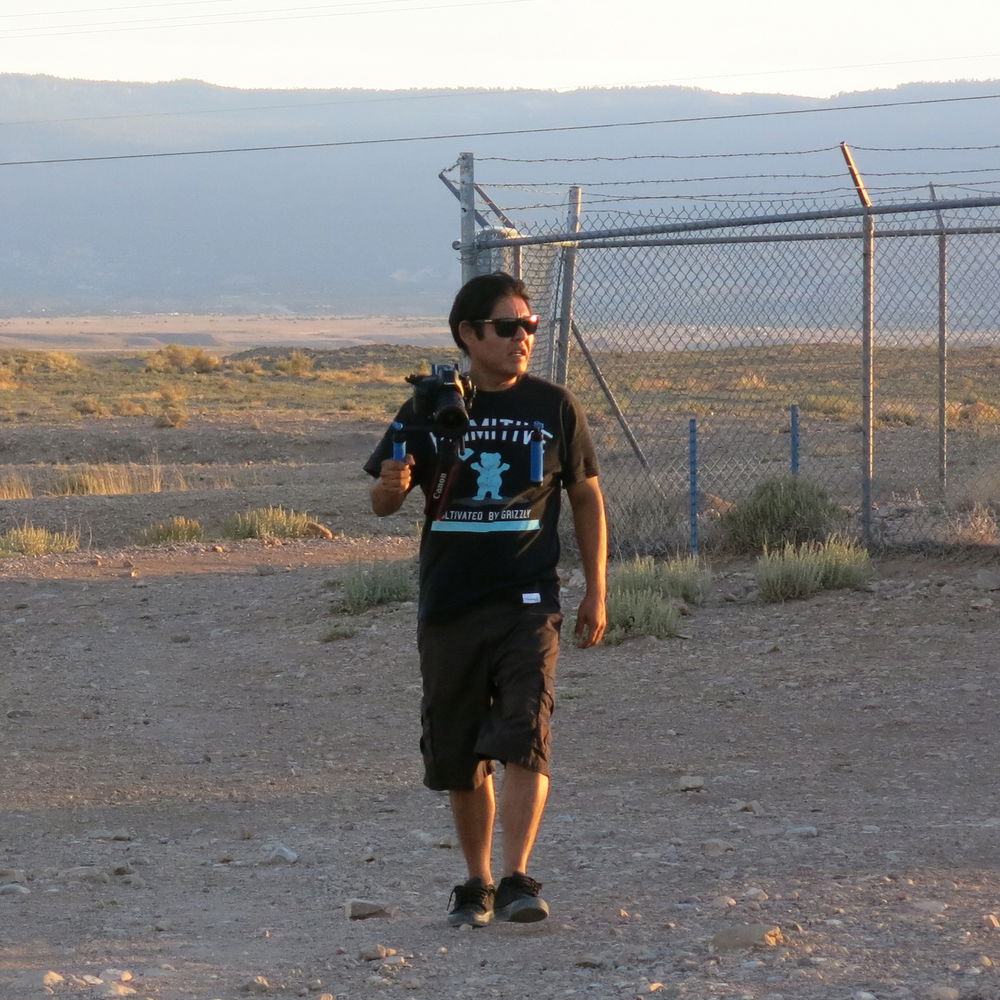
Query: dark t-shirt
[494, 535]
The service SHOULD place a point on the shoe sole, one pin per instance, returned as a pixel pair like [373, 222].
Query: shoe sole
[523, 911]
[469, 921]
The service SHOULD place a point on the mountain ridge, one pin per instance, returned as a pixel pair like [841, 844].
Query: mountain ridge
[349, 216]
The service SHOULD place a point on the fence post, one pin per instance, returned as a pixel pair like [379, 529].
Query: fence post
[693, 482]
[867, 348]
[793, 412]
[467, 201]
[561, 360]
[942, 349]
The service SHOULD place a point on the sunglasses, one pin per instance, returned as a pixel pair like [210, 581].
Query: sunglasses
[509, 327]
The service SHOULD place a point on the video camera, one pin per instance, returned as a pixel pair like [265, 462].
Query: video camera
[439, 408]
[439, 401]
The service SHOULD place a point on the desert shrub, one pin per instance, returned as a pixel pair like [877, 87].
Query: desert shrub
[831, 406]
[339, 632]
[38, 362]
[28, 540]
[368, 585]
[90, 406]
[267, 522]
[15, 487]
[179, 360]
[636, 613]
[898, 414]
[116, 480]
[684, 577]
[643, 596]
[298, 364]
[784, 510]
[176, 529]
[171, 415]
[978, 525]
[126, 407]
[801, 570]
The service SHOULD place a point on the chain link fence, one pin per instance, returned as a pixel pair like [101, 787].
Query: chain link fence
[856, 348]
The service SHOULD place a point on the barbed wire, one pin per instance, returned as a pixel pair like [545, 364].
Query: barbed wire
[812, 196]
[554, 185]
[650, 156]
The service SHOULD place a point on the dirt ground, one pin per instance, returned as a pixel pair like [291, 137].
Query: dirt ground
[196, 790]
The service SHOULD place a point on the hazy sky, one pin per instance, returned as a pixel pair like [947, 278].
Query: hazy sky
[783, 46]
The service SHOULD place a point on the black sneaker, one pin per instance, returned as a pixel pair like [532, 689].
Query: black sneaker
[517, 899]
[473, 904]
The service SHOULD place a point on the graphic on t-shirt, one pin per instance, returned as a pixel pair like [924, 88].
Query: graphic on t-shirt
[491, 508]
[490, 471]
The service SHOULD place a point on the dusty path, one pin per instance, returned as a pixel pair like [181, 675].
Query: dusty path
[796, 801]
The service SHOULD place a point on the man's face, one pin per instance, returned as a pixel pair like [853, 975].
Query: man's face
[497, 362]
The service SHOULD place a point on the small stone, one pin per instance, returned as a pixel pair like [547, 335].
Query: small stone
[375, 953]
[365, 909]
[258, 985]
[943, 993]
[863, 995]
[935, 906]
[117, 975]
[986, 580]
[278, 854]
[589, 962]
[747, 936]
[14, 889]
[715, 848]
[802, 831]
[690, 783]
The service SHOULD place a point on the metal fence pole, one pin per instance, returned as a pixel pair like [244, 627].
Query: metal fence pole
[693, 485]
[561, 372]
[867, 347]
[942, 350]
[868, 377]
[467, 201]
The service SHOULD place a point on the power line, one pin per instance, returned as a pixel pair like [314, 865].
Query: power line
[499, 133]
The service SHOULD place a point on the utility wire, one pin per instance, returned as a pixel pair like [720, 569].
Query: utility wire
[503, 132]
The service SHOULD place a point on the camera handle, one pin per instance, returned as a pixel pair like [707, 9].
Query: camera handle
[398, 442]
[448, 450]
[537, 452]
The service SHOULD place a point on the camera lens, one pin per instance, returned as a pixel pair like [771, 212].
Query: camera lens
[450, 416]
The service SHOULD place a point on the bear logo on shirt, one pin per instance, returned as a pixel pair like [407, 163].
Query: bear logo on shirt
[490, 470]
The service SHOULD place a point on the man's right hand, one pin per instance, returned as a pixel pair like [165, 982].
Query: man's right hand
[394, 482]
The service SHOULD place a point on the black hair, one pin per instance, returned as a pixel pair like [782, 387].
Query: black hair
[477, 297]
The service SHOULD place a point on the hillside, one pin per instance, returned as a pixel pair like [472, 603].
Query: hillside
[348, 223]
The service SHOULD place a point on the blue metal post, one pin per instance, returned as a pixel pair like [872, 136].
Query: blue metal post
[794, 411]
[693, 470]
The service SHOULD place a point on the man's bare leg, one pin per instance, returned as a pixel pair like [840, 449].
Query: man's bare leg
[522, 804]
[474, 811]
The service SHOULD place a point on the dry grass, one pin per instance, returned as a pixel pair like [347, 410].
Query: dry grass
[29, 540]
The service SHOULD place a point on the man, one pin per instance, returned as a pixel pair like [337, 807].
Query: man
[489, 615]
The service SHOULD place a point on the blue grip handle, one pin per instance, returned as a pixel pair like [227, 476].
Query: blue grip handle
[398, 442]
[537, 455]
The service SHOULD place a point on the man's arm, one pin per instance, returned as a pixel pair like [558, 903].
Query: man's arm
[590, 525]
[394, 482]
